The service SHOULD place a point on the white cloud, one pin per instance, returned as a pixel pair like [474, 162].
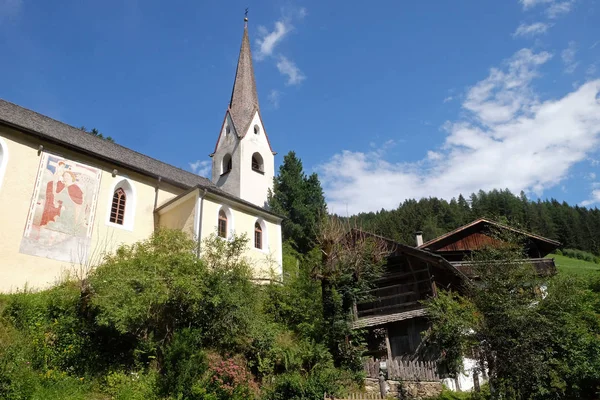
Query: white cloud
[530, 30]
[10, 8]
[448, 99]
[591, 70]
[201, 168]
[568, 57]
[557, 9]
[288, 68]
[269, 40]
[274, 97]
[507, 138]
[527, 4]
[594, 198]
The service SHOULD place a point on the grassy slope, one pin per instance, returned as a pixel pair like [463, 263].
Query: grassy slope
[576, 267]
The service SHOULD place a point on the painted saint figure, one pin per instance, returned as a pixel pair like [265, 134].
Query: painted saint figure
[69, 199]
[51, 207]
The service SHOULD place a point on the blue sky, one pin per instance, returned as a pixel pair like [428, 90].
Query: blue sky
[386, 101]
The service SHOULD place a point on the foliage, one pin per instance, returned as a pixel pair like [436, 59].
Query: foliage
[536, 343]
[448, 394]
[350, 263]
[154, 321]
[580, 255]
[157, 286]
[134, 385]
[97, 133]
[299, 198]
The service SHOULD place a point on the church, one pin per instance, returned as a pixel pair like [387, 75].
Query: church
[69, 197]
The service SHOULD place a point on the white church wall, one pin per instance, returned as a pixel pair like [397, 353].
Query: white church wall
[255, 185]
[264, 261]
[182, 216]
[18, 269]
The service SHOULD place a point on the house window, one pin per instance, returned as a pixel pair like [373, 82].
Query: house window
[117, 210]
[258, 236]
[222, 226]
[227, 164]
[257, 163]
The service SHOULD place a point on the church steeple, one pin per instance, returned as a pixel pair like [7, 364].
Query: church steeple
[244, 97]
[243, 161]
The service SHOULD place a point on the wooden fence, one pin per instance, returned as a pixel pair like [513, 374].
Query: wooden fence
[405, 370]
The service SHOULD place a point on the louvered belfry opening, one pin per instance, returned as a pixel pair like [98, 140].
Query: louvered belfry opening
[117, 210]
[222, 227]
[257, 236]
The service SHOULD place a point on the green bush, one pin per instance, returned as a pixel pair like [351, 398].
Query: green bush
[297, 386]
[580, 255]
[154, 321]
[134, 385]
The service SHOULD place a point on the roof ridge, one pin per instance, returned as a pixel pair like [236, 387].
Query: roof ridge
[489, 221]
[101, 141]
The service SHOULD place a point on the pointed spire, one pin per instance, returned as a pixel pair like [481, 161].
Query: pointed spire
[244, 98]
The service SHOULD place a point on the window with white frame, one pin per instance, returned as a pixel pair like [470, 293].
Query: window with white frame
[122, 203]
[225, 222]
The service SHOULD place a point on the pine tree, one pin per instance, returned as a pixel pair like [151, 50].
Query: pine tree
[300, 200]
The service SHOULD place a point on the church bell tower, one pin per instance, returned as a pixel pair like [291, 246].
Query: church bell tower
[243, 163]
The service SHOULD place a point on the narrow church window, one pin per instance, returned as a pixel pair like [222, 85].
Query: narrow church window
[222, 227]
[256, 130]
[117, 211]
[227, 164]
[257, 163]
[257, 236]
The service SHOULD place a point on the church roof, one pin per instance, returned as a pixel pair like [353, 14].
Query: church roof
[244, 97]
[60, 133]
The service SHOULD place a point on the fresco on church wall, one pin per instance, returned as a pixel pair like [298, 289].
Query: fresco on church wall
[60, 221]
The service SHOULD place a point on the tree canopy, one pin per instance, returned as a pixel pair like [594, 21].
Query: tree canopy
[573, 226]
[299, 198]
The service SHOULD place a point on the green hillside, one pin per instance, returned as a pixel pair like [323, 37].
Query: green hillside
[576, 267]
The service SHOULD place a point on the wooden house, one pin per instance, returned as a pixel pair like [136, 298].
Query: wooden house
[394, 315]
[458, 245]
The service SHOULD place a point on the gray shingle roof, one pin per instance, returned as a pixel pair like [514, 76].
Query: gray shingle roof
[244, 97]
[49, 129]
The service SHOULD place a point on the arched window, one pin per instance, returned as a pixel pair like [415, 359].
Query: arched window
[227, 164]
[258, 236]
[3, 159]
[222, 226]
[257, 163]
[256, 129]
[117, 209]
[122, 204]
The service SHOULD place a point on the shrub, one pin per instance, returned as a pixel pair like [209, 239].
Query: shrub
[580, 255]
[134, 385]
[158, 286]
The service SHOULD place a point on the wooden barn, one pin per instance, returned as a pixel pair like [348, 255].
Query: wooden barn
[458, 245]
[394, 315]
